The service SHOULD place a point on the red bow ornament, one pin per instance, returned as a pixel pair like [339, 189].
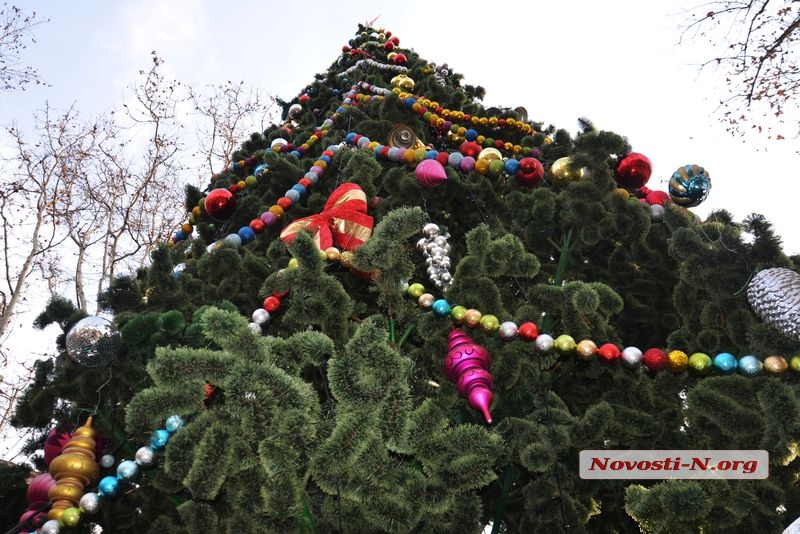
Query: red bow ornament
[343, 221]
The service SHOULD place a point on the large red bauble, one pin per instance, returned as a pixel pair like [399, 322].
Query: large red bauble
[470, 148]
[220, 204]
[530, 172]
[633, 171]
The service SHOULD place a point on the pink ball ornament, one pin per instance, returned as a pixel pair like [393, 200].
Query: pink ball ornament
[633, 171]
[220, 204]
[430, 173]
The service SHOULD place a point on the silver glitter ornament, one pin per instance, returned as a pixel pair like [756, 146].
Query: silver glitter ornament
[50, 527]
[508, 330]
[544, 343]
[107, 461]
[90, 503]
[435, 248]
[430, 230]
[261, 316]
[93, 342]
[127, 470]
[774, 294]
[631, 357]
[145, 456]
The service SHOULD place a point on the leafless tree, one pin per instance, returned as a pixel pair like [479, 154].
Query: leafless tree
[228, 112]
[755, 46]
[16, 30]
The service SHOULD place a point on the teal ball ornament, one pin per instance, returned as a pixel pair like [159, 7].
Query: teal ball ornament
[689, 186]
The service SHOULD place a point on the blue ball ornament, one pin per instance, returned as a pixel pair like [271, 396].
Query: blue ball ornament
[454, 160]
[725, 363]
[301, 189]
[108, 486]
[689, 186]
[233, 240]
[174, 423]
[511, 166]
[246, 234]
[431, 154]
[127, 470]
[470, 135]
[292, 195]
[441, 308]
[260, 170]
[750, 365]
[350, 138]
[159, 439]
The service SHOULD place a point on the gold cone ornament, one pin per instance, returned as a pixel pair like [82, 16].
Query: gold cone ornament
[74, 469]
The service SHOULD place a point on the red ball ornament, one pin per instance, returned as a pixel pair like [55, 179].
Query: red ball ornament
[272, 304]
[633, 171]
[220, 204]
[608, 353]
[395, 40]
[528, 331]
[400, 59]
[470, 148]
[257, 225]
[388, 46]
[530, 172]
[655, 359]
[304, 98]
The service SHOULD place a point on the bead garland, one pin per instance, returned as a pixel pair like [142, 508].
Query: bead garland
[652, 359]
[372, 63]
[109, 486]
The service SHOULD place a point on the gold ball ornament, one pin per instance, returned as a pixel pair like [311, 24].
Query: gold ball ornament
[775, 365]
[425, 301]
[678, 361]
[472, 318]
[332, 253]
[416, 290]
[403, 81]
[586, 349]
[489, 323]
[563, 172]
[490, 154]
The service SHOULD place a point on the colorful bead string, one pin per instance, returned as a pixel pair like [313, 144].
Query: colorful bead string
[361, 63]
[653, 359]
[110, 486]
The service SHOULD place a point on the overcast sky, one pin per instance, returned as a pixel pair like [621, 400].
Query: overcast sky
[617, 63]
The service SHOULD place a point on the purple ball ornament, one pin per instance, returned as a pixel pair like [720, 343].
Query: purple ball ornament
[430, 173]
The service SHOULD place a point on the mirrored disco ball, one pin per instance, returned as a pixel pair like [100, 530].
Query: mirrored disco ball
[93, 342]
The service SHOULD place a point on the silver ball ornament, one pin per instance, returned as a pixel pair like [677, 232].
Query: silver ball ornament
[50, 527]
[255, 328]
[261, 316]
[430, 230]
[294, 111]
[145, 457]
[544, 343]
[107, 461]
[631, 357]
[93, 342]
[508, 330]
[278, 142]
[127, 470]
[90, 503]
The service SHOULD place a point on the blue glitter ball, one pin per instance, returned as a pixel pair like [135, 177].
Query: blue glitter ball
[725, 363]
[511, 166]
[292, 195]
[246, 234]
[350, 138]
[159, 439]
[127, 470]
[750, 365]
[233, 240]
[441, 308]
[431, 154]
[108, 486]
[470, 135]
[260, 170]
[174, 423]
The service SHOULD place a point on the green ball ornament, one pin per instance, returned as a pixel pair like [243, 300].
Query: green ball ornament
[70, 517]
[700, 364]
[458, 313]
[794, 364]
[416, 290]
[489, 323]
[564, 344]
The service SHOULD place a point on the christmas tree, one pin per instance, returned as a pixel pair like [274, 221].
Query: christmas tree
[400, 311]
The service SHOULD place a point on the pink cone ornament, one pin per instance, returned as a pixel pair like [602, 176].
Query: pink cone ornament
[430, 173]
[38, 502]
[467, 366]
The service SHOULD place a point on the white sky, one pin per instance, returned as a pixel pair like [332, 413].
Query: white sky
[617, 63]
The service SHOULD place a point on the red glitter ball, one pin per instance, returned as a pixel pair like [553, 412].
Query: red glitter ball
[272, 304]
[655, 359]
[608, 352]
[528, 331]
